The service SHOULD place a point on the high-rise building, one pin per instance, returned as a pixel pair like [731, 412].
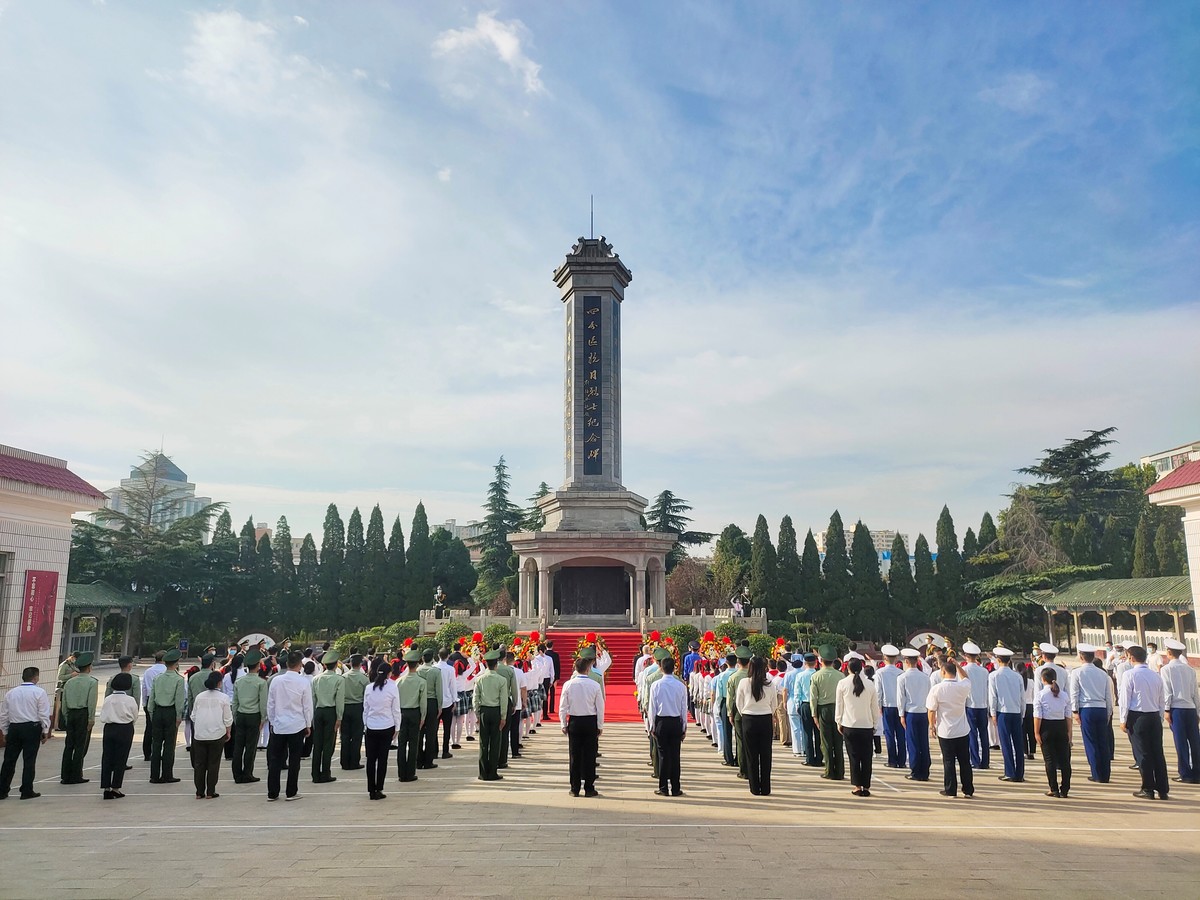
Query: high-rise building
[174, 496]
[881, 539]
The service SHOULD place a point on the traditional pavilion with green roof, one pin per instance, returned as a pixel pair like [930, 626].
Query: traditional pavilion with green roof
[86, 607]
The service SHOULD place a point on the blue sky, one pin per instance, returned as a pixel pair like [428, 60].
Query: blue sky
[883, 254]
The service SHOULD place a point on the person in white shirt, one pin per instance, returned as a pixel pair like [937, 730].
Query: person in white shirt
[1154, 659]
[212, 722]
[449, 699]
[381, 720]
[25, 722]
[1181, 697]
[947, 705]
[581, 712]
[603, 661]
[1142, 705]
[147, 682]
[290, 712]
[857, 713]
[756, 699]
[912, 689]
[667, 720]
[886, 679]
[1049, 654]
[1052, 724]
[466, 670]
[118, 714]
[977, 707]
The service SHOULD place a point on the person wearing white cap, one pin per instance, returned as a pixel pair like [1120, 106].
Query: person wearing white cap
[1142, 707]
[886, 681]
[1049, 654]
[977, 706]
[1182, 696]
[1092, 700]
[1006, 702]
[912, 690]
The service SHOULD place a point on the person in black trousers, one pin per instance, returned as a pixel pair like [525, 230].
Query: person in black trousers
[551, 683]
[667, 709]
[118, 714]
[26, 727]
[756, 701]
[1030, 737]
[1052, 725]
[514, 719]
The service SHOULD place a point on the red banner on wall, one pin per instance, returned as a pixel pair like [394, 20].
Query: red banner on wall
[37, 615]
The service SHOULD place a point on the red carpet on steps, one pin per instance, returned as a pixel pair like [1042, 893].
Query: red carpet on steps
[624, 647]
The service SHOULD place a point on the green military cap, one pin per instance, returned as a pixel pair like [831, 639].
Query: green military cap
[661, 653]
[492, 656]
[252, 659]
[413, 656]
[744, 653]
[330, 658]
[83, 660]
[587, 653]
[827, 652]
[171, 656]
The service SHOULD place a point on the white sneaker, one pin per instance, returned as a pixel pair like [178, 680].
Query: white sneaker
[295, 797]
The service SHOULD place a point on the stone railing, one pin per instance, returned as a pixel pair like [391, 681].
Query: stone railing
[754, 621]
[1095, 637]
[429, 624]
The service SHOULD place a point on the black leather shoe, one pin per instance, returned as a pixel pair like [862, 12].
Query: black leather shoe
[591, 793]
[1144, 795]
[32, 795]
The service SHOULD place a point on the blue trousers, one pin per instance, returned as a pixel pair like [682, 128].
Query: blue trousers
[1186, 731]
[798, 733]
[978, 719]
[893, 734]
[1011, 729]
[1097, 737]
[916, 735]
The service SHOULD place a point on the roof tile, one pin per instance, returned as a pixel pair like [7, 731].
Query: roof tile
[1185, 475]
[55, 478]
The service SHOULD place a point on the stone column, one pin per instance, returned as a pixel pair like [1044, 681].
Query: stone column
[660, 592]
[1140, 625]
[1078, 619]
[1107, 625]
[633, 610]
[545, 589]
[1178, 618]
[639, 591]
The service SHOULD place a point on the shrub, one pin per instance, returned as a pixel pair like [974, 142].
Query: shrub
[782, 627]
[395, 634]
[731, 630]
[840, 642]
[424, 643]
[498, 633]
[448, 634]
[683, 634]
[762, 645]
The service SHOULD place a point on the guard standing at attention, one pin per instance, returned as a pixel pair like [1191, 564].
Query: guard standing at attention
[249, 709]
[414, 694]
[165, 707]
[491, 707]
[352, 713]
[433, 710]
[509, 716]
[744, 656]
[79, 709]
[329, 698]
[581, 712]
[823, 702]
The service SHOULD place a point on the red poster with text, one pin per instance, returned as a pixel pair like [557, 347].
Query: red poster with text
[37, 615]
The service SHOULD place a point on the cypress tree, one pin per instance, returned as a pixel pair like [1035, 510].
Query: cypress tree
[866, 609]
[763, 570]
[811, 586]
[375, 571]
[1061, 535]
[987, 532]
[970, 551]
[1114, 549]
[308, 574]
[1165, 551]
[925, 580]
[731, 561]
[264, 580]
[1145, 562]
[223, 530]
[286, 603]
[949, 570]
[787, 582]
[247, 547]
[353, 612]
[333, 551]
[836, 569]
[1083, 541]
[418, 565]
[901, 586]
[397, 583]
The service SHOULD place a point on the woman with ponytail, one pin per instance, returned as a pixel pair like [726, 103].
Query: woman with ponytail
[381, 718]
[1052, 728]
[856, 712]
[757, 699]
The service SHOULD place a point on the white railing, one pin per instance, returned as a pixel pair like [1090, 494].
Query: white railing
[429, 624]
[754, 621]
[1095, 637]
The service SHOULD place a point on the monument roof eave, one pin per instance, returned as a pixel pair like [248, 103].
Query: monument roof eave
[589, 541]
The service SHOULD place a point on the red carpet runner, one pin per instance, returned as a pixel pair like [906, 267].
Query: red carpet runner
[624, 647]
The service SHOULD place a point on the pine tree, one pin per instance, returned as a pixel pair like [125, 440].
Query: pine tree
[731, 561]
[397, 583]
[286, 602]
[666, 515]
[1165, 551]
[1083, 543]
[247, 547]
[452, 567]
[375, 570]
[534, 519]
[970, 551]
[866, 609]
[1114, 549]
[949, 570]
[787, 582]
[925, 580]
[811, 587]
[987, 533]
[836, 569]
[502, 519]
[418, 566]
[223, 530]
[333, 551]
[764, 564]
[308, 573]
[227, 589]
[1061, 535]
[353, 611]
[901, 586]
[1145, 562]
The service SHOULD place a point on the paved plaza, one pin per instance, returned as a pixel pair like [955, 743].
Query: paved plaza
[450, 835]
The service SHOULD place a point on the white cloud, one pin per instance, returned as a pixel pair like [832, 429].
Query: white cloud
[493, 36]
[444, 174]
[1018, 91]
[360, 74]
[301, 21]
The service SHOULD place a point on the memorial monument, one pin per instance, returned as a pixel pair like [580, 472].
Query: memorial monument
[592, 560]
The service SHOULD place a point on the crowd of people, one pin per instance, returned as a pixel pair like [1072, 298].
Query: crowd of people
[835, 714]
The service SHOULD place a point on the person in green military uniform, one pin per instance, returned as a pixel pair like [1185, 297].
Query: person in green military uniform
[491, 708]
[413, 705]
[249, 710]
[165, 704]
[652, 677]
[66, 671]
[329, 701]
[79, 709]
[744, 655]
[195, 687]
[823, 700]
[589, 653]
[352, 714]
[433, 710]
[510, 717]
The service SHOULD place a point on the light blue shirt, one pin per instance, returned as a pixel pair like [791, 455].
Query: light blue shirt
[1047, 706]
[1006, 692]
[886, 680]
[719, 684]
[1091, 688]
[1180, 690]
[804, 683]
[789, 685]
[912, 690]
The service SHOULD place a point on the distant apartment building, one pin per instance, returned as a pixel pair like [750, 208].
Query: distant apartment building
[881, 539]
[1168, 460]
[175, 495]
[468, 534]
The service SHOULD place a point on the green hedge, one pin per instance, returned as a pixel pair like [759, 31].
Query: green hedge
[425, 643]
[498, 633]
[448, 634]
[840, 641]
[683, 635]
[731, 630]
[762, 645]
